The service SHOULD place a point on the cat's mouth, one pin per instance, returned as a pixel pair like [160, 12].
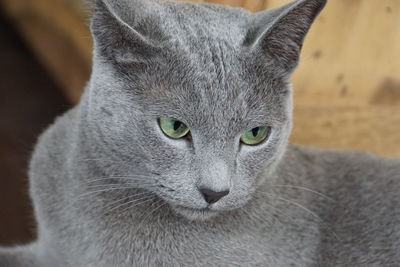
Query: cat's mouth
[196, 214]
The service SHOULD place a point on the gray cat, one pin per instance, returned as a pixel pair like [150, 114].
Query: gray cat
[178, 154]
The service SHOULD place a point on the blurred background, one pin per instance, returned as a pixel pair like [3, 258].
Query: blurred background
[347, 88]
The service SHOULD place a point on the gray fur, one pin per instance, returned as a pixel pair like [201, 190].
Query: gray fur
[111, 190]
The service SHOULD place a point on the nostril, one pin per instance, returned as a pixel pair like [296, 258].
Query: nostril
[211, 196]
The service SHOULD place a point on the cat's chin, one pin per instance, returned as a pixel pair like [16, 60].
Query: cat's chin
[195, 214]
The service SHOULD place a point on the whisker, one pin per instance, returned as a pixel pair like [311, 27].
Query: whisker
[302, 207]
[151, 198]
[103, 190]
[256, 216]
[306, 189]
[278, 212]
[98, 159]
[293, 203]
[127, 184]
[312, 213]
[120, 162]
[305, 209]
[151, 212]
[117, 201]
[123, 199]
[136, 201]
[134, 178]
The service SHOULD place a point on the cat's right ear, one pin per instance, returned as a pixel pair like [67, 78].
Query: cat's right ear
[279, 33]
[123, 31]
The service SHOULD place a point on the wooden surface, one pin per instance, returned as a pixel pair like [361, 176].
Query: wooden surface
[59, 35]
[347, 88]
[348, 84]
[29, 101]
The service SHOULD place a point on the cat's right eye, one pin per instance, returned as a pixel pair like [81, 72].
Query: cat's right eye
[173, 128]
[255, 136]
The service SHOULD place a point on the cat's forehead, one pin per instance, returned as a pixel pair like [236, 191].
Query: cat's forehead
[206, 51]
[219, 87]
[193, 23]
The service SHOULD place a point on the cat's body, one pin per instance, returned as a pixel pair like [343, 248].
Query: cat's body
[101, 175]
[358, 225]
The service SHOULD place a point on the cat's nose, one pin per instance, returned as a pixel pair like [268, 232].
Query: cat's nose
[211, 196]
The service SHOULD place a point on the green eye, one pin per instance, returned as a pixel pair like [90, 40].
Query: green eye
[255, 136]
[173, 128]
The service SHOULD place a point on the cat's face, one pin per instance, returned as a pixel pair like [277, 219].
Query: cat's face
[204, 68]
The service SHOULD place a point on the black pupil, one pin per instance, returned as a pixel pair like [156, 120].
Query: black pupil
[255, 131]
[177, 124]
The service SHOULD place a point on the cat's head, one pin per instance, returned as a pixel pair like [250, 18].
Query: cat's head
[193, 101]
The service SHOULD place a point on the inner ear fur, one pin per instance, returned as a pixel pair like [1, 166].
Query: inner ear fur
[280, 33]
[123, 31]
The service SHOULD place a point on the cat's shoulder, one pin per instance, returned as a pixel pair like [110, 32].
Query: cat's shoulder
[364, 208]
[344, 162]
[348, 175]
[54, 144]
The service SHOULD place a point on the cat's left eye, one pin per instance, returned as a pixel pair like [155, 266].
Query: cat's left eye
[255, 136]
[173, 128]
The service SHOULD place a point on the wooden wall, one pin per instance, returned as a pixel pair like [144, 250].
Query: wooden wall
[347, 86]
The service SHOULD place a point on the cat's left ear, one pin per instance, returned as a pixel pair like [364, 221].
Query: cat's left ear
[126, 31]
[279, 33]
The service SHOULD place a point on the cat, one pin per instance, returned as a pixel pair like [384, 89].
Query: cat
[178, 153]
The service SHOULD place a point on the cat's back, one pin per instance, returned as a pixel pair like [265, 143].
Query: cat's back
[362, 222]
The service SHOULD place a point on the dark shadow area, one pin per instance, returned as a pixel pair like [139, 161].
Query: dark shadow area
[29, 101]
